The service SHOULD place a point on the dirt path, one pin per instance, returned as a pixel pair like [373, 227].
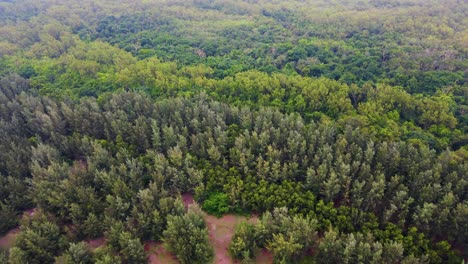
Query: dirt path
[96, 243]
[188, 199]
[157, 254]
[7, 240]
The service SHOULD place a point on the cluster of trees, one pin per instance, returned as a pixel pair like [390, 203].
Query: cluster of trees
[416, 44]
[288, 237]
[291, 238]
[116, 166]
[86, 190]
[421, 51]
[260, 54]
[43, 240]
[353, 115]
[386, 112]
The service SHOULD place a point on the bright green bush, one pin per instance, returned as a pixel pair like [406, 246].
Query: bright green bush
[216, 204]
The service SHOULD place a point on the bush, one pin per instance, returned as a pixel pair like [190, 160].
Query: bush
[187, 237]
[216, 204]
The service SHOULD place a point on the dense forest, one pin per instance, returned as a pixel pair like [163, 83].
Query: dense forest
[341, 126]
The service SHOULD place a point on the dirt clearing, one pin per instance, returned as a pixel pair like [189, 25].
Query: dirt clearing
[221, 230]
[157, 254]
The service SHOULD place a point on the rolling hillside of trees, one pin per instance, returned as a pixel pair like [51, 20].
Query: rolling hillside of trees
[341, 124]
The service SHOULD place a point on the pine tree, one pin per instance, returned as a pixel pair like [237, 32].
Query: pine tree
[187, 237]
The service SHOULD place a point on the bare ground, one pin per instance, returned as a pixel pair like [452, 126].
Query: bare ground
[96, 243]
[264, 257]
[7, 240]
[157, 254]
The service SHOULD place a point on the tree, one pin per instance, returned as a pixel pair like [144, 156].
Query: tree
[8, 217]
[285, 235]
[283, 248]
[3, 257]
[131, 249]
[243, 243]
[330, 248]
[77, 254]
[187, 237]
[39, 241]
[105, 255]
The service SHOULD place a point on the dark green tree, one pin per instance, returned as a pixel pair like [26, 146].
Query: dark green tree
[187, 237]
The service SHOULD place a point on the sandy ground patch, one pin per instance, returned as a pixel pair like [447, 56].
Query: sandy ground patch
[264, 257]
[96, 243]
[30, 212]
[6, 241]
[157, 254]
[188, 199]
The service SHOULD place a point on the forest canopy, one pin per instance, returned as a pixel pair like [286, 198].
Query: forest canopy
[341, 124]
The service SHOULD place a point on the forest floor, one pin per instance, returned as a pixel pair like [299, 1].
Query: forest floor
[157, 254]
[96, 243]
[7, 240]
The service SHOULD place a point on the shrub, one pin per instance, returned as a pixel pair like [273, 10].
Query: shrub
[216, 204]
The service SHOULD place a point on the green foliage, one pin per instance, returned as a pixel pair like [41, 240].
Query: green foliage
[216, 204]
[287, 237]
[39, 241]
[187, 237]
[3, 256]
[352, 115]
[284, 248]
[243, 244]
[335, 248]
[77, 253]
[105, 255]
[131, 249]
[8, 218]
